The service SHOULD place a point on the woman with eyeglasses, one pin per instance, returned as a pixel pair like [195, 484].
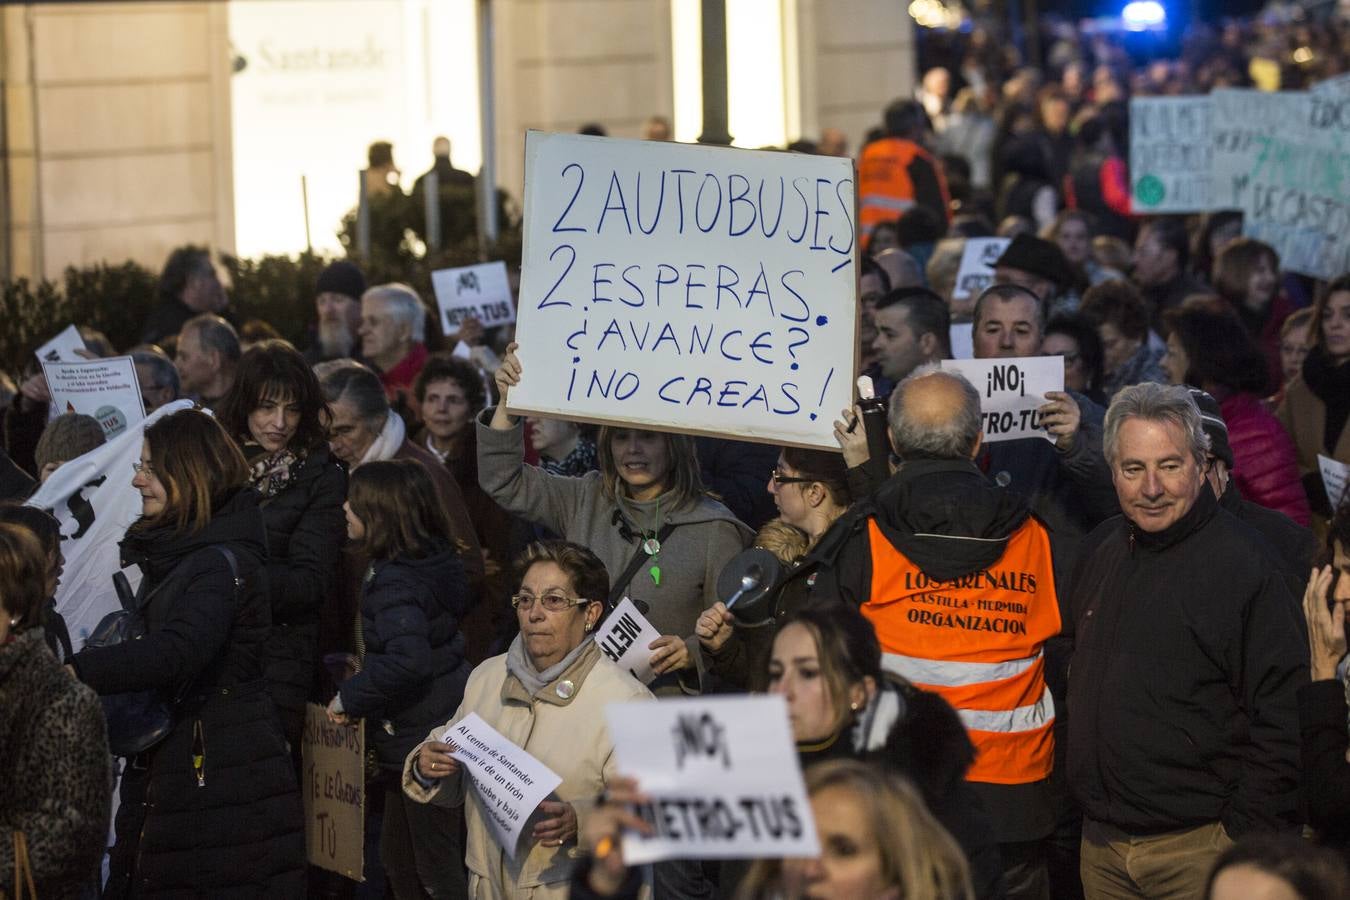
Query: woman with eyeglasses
[547, 694]
[645, 514]
[413, 670]
[811, 490]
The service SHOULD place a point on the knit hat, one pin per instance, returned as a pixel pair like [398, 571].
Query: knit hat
[341, 277]
[1037, 256]
[1211, 419]
[66, 437]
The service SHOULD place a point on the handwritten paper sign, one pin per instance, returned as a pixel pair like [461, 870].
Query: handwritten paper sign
[1279, 157]
[106, 389]
[625, 637]
[1171, 150]
[334, 788]
[977, 265]
[482, 291]
[1011, 391]
[687, 288]
[62, 347]
[510, 783]
[722, 775]
[1335, 475]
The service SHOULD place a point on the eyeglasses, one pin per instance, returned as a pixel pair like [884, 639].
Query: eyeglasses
[780, 478]
[141, 468]
[553, 602]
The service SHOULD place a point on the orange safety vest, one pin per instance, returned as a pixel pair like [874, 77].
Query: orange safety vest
[885, 190]
[976, 640]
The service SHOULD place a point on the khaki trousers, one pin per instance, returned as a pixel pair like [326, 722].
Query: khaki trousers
[1169, 866]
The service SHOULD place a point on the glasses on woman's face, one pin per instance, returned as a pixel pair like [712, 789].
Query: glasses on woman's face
[143, 468]
[553, 601]
[781, 477]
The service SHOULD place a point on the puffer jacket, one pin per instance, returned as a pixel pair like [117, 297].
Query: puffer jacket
[55, 772]
[214, 809]
[413, 674]
[1265, 463]
[305, 531]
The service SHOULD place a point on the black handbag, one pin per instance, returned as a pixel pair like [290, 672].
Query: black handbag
[138, 720]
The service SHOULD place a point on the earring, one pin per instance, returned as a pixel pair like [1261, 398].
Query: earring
[853, 707]
[14, 621]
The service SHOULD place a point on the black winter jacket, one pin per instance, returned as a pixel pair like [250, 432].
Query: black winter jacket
[1188, 651]
[305, 533]
[414, 671]
[1326, 771]
[231, 827]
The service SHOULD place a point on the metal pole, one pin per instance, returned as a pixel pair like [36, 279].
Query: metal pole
[431, 208]
[487, 175]
[304, 200]
[714, 27]
[362, 217]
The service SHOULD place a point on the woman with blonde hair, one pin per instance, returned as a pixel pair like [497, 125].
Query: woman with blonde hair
[877, 839]
[645, 514]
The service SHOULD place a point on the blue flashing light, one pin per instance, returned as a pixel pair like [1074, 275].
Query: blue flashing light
[1143, 15]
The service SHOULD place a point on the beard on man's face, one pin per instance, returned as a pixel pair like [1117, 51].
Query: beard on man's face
[335, 341]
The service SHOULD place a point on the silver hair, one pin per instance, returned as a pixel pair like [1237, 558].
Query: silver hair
[955, 438]
[353, 382]
[403, 303]
[216, 335]
[1156, 403]
[1005, 293]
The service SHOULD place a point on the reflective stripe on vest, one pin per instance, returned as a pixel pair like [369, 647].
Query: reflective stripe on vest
[976, 640]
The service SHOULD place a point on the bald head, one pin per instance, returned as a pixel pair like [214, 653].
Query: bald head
[900, 267]
[935, 415]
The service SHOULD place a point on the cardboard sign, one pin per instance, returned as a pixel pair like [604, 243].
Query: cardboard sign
[106, 389]
[1335, 475]
[977, 265]
[62, 347]
[334, 788]
[1011, 392]
[1171, 150]
[509, 782]
[625, 637]
[722, 775]
[482, 291]
[687, 288]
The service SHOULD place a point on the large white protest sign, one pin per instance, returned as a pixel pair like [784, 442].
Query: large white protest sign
[94, 502]
[687, 288]
[333, 787]
[1011, 391]
[626, 638]
[510, 783]
[106, 389]
[722, 776]
[977, 265]
[1280, 158]
[62, 347]
[1170, 154]
[1335, 475]
[481, 291]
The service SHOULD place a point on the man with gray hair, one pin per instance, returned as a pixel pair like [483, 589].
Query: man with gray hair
[957, 577]
[207, 354]
[1188, 650]
[393, 335]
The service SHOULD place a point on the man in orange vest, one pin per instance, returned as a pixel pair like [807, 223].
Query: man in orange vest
[896, 172]
[957, 577]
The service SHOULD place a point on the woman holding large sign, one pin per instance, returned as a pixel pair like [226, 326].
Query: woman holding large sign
[645, 514]
[547, 695]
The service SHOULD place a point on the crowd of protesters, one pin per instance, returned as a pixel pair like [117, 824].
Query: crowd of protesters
[360, 523]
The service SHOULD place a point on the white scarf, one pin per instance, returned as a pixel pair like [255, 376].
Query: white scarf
[390, 439]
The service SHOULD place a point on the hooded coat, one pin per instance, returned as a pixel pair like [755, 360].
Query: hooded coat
[947, 519]
[706, 536]
[413, 674]
[214, 808]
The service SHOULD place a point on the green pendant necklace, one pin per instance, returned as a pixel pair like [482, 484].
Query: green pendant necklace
[651, 545]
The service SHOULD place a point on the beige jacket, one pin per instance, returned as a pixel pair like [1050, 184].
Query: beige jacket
[566, 733]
